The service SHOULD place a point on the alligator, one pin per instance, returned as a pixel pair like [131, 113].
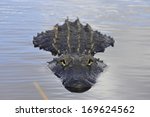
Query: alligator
[75, 45]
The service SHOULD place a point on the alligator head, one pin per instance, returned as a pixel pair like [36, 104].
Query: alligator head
[77, 72]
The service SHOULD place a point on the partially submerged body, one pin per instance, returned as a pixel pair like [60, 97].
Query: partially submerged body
[75, 46]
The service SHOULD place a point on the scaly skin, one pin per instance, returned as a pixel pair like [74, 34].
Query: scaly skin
[75, 45]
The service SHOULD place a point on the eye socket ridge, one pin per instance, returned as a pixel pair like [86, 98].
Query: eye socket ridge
[90, 61]
[63, 62]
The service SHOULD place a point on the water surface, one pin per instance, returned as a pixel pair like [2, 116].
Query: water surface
[128, 72]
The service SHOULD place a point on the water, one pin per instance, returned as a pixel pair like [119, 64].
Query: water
[128, 72]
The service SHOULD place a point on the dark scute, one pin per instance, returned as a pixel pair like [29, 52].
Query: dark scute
[102, 41]
[44, 41]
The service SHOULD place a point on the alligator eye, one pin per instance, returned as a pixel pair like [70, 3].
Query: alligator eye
[90, 61]
[63, 62]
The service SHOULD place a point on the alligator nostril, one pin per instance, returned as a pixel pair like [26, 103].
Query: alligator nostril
[78, 86]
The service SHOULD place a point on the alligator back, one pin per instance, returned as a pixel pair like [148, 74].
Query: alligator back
[72, 37]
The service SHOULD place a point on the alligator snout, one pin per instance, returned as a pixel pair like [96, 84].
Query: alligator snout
[77, 86]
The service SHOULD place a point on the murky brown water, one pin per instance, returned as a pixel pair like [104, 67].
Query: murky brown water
[128, 72]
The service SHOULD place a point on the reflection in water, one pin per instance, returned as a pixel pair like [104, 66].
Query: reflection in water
[127, 75]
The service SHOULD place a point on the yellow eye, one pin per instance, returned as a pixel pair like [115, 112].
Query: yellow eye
[90, 61]
[63, 62]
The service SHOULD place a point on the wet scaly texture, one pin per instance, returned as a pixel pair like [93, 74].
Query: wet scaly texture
[75, 44]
